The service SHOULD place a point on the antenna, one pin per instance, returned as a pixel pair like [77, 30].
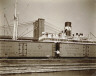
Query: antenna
[15, 22]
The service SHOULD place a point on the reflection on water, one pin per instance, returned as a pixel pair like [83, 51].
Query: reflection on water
[38, 65]
[65, 73]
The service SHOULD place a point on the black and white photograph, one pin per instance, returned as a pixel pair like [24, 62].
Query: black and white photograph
[47, 37]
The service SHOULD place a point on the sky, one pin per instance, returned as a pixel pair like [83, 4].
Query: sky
[56, 12]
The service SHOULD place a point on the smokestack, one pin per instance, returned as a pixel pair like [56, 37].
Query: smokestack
[68, 28]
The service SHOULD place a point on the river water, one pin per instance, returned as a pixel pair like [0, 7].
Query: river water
[63, 73]
[48, 67]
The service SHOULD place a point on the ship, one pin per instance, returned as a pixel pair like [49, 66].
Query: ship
[46, 45]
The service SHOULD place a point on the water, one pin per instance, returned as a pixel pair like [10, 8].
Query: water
[64, 73]
[69, 67]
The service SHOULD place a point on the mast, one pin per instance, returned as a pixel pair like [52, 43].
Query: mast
[15, 22]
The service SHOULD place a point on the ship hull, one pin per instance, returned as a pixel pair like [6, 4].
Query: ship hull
[24, 49]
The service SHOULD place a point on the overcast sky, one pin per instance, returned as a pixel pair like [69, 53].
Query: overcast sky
[56, 12]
